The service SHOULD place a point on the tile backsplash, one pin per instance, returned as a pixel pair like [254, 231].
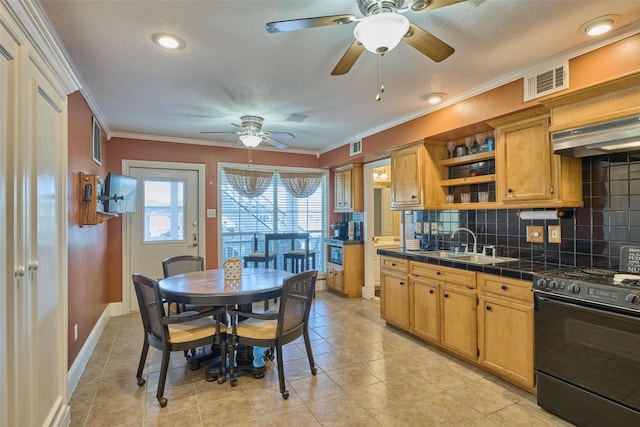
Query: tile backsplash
[590, 236]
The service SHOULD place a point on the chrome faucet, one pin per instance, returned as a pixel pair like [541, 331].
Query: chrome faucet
[475, 244]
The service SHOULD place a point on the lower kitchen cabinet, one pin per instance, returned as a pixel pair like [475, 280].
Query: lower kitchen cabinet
[458, 320]
[335, 277]
[425, 309]
[346, 279]
[505, 328]
[394, 292]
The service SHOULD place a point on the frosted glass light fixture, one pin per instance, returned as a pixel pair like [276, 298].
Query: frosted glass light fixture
[250, 140]
[381, 32]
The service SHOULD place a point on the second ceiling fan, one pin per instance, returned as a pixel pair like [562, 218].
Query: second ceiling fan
[379, 30]
[252, 134]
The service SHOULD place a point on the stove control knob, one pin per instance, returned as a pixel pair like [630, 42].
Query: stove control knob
[632, 299]
[554, 284]
[573, 288]
[541, 283]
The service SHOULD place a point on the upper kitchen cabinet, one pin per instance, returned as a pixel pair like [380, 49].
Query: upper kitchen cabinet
[415, 177]
[348, 191]
[528, 174]
[611, 100]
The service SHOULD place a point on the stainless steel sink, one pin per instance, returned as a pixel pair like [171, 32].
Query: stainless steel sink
[483, 259]
[471, 258]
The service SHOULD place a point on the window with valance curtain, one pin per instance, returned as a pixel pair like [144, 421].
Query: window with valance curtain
[255, 202]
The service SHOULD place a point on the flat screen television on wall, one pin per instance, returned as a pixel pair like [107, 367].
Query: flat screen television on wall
[119, 194]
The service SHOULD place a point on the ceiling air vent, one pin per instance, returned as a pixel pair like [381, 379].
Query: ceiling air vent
[355, 148]
[541, 83]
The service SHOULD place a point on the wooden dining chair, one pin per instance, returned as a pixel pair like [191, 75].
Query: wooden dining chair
[179, 332]
[184, 264]
[273, 330]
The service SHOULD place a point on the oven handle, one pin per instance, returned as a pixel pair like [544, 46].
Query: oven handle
[613, 311]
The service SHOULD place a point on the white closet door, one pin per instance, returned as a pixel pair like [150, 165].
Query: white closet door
[8, 69]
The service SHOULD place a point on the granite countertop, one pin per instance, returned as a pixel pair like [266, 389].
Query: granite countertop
[523, 269]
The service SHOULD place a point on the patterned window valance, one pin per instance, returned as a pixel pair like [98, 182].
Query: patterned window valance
[249, 182]
[301, 185]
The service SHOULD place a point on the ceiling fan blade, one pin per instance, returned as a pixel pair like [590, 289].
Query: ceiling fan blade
[348, 59]
[285, 135]
[301, 24]
[421, 6]
[275, 143]
[427, 43]
[229, 132]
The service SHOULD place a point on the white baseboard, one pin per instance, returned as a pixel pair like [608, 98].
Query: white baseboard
[77, 368]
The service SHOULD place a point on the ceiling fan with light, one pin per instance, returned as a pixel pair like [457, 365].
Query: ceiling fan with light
[252, 134]
[379, 30]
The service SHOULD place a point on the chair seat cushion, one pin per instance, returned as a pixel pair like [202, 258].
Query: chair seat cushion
[193, 330]
[259, 255]
[257, 329]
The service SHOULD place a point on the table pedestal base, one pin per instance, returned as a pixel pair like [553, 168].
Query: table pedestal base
[244, 366]
[201, 355]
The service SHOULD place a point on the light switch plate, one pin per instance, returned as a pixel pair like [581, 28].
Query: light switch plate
[426, 229]
[434, 228]
[535, 233]
[417, 228]
[554, 234]
[211, 213]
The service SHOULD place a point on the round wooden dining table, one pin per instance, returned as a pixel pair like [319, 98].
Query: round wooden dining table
[210, 288]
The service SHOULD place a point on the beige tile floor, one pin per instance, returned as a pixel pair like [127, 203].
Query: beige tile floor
[368, 375]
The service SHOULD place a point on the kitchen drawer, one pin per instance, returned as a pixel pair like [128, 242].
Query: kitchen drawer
[443, 274]
[394, 264]
[512, 288]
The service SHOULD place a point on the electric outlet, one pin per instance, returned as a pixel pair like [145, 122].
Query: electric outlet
[535, 234]
[211, 213]
[75, 332]
[554, 234]
[425, 228]
[418, 228]
[434, 228]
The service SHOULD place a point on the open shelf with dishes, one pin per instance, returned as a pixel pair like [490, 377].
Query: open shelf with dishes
[471, 180]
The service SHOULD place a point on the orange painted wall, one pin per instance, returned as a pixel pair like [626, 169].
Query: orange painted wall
[130, 149]
[87, 247]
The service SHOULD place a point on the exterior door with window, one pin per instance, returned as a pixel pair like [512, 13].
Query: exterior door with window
[166, 222]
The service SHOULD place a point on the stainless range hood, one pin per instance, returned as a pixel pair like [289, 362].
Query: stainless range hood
[602, 138]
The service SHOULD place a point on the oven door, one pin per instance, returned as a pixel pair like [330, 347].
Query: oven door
[593, 348]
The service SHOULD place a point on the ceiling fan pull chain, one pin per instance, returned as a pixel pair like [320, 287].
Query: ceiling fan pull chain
[380, 77]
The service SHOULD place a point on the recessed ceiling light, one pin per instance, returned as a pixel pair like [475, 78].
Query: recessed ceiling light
[169, 41]
[435, 98]
[598, 26]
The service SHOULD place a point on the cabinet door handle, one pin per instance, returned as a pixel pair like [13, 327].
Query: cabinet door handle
[446, 295]
[33, 265]
[430, 291]
[504, 287]
[509, 190]
[488, 308]
[438, 273]
[393, 264]
[414, 196]
[401, 283]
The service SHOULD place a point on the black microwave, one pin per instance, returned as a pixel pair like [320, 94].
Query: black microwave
[335, 254]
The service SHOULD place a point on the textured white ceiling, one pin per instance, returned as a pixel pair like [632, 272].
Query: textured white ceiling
[232, 67]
